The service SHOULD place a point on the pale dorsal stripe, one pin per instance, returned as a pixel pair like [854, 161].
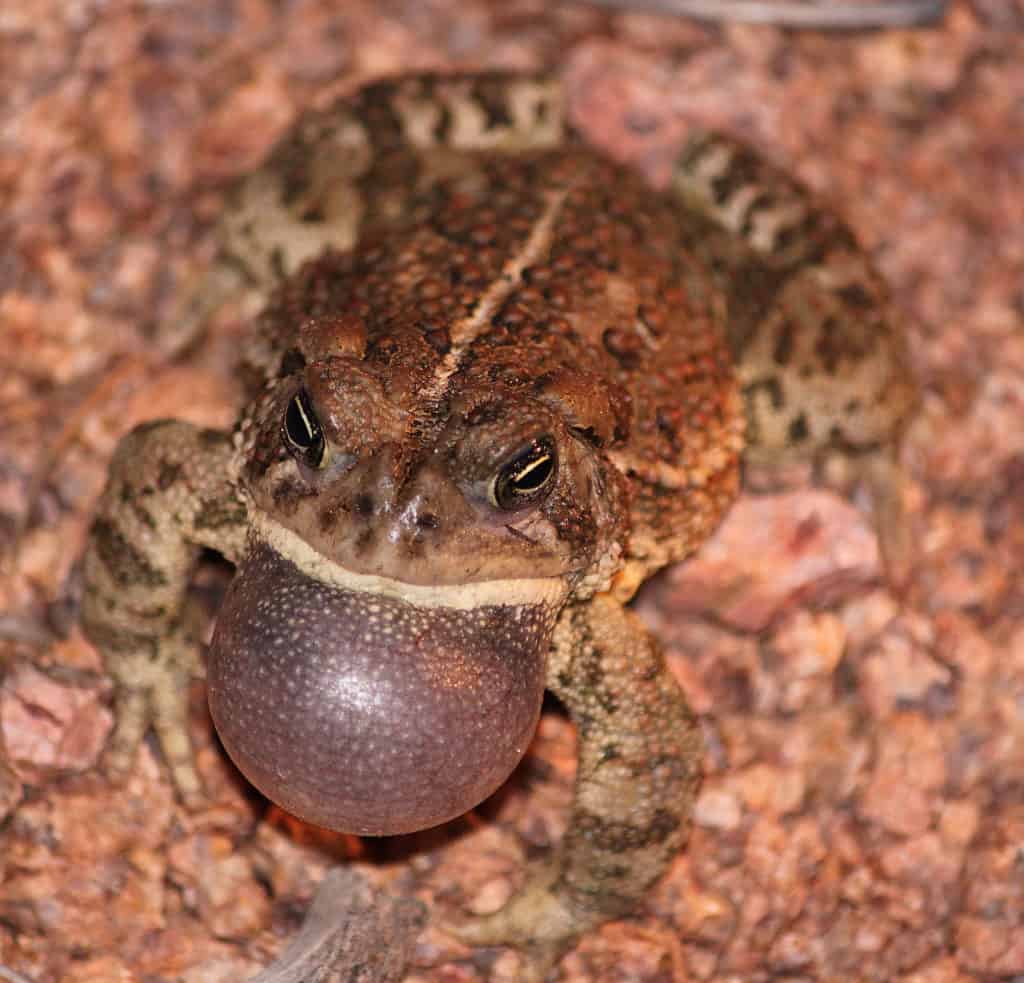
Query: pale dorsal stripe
[465, 331]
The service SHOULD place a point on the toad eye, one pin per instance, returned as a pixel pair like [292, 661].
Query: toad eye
[527, 477]
[302, 432]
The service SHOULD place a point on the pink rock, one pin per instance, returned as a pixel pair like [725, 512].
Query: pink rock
[773, 550]
[50, 724]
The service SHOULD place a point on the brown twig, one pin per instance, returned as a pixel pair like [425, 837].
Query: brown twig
[826, 16]
[353, 933]
[12, 976]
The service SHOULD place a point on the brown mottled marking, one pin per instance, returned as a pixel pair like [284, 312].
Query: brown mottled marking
[219, 513]
[462, 334]
[620, 836]
[126, 565]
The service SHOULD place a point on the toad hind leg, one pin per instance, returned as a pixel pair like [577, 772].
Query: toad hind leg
[638, 773]
[820, 351]
[168, 495]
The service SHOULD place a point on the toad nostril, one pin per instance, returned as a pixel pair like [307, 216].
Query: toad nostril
[428, 521]
[363, 505]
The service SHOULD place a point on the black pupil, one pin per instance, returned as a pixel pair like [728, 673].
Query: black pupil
[525, 477]
[530, 474]
[303, 429]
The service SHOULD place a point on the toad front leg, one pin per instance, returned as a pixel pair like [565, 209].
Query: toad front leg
[169, 494]
[637, 777]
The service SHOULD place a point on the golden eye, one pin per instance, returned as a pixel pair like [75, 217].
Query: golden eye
[302, 432]
[527, 477]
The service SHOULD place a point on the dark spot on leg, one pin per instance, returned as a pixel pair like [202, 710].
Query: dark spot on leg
[854, 295]
[493, 99]
[771, 386]
[112, 639]
[762, 202]
[313, 213]
[295, 178]
[363, 506]
[170, 472]
[798, 430]
[220, 512]
[693, 153]
[829, 348]
[127, 565]
[784, 342]
[724, 186]
[143, 515]
[588, 675]
[800, 237]
[617, 837]
[155, 612]
[210, 438]
[443, 127]
[277, 264]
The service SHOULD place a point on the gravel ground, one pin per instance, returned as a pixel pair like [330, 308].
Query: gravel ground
[862, 817]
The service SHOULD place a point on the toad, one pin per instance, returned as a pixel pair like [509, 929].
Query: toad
[496, 382]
